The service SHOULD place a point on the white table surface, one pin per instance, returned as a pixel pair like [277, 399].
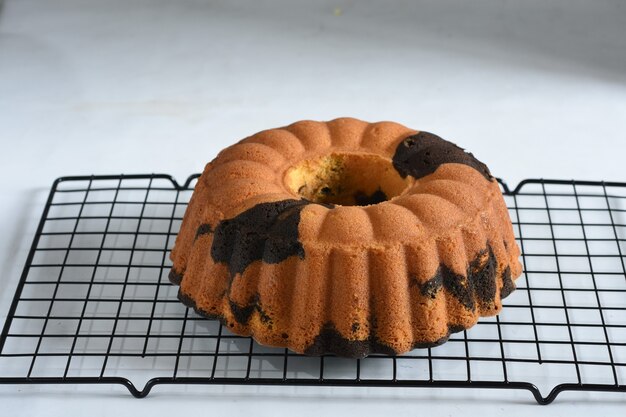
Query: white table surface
[533, 88]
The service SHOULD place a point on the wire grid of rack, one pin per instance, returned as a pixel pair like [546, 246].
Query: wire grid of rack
[94, 305]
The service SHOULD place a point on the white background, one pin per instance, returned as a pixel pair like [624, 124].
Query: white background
[533, 88]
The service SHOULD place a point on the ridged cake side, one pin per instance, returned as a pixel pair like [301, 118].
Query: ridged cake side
[350, 280]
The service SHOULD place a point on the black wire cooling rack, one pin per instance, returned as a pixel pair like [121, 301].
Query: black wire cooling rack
[94, 305]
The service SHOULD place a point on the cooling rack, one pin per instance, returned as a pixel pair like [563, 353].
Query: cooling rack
[94, 305]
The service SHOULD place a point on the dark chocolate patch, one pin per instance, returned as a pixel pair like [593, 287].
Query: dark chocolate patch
[186, 299]
[508, 286]
[267, 231]
[483, 278]
[459, 286]
[204, 229]
[478, 284]
[242, 313]
[190, 302]
[432, 286]
[175, 277]
[421, 154]
[362, 199]
[455, 328]
[426, 345]
[329, 340]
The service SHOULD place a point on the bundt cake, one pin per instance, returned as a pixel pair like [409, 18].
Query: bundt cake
[346, 237]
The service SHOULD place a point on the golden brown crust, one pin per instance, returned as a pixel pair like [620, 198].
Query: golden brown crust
[379, 278]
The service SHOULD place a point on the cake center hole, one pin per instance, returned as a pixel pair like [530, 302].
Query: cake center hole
[346, 179]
